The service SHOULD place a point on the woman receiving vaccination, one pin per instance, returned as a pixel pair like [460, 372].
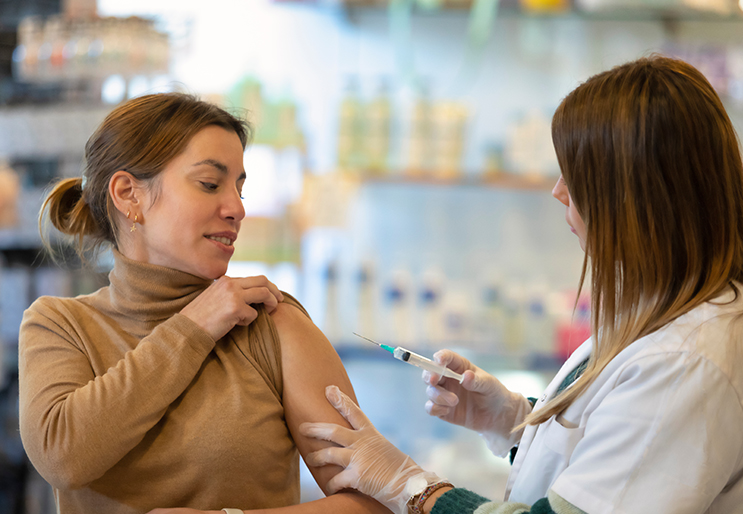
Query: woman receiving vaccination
[174, 386]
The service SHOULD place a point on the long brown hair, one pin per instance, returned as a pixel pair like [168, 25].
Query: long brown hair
[140, 136]
[653, 165]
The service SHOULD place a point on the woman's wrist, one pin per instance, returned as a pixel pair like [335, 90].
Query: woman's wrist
[428, 504]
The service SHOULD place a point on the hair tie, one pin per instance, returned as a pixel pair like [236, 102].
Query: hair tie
[83, 181]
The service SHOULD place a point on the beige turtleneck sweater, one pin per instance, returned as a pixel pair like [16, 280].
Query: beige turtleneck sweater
[127, 405]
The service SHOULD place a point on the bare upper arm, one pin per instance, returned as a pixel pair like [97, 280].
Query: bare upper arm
[310, 363]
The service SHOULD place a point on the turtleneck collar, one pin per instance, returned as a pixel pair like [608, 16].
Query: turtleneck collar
[149, 292]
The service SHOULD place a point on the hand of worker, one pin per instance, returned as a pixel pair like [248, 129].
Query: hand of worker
[480, 402]
[372, 464]
[227, 302]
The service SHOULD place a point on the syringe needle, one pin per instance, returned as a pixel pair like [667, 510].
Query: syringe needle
[383, 346]
[370, 340]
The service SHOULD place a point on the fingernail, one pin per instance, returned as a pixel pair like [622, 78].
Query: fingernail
[426, 376]
[333, 394]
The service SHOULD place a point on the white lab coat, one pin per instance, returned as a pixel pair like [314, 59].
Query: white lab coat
[660, 430]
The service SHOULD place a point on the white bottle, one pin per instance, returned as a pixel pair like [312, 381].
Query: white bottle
[367, 306]
[398, 297]
[430, 308]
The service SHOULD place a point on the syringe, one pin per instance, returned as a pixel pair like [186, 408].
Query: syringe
[413, 358]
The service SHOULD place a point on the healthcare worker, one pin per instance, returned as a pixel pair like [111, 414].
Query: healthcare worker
[646, 416]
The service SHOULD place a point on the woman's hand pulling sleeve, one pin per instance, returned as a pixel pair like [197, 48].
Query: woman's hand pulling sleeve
[373, 465]
[480, 403]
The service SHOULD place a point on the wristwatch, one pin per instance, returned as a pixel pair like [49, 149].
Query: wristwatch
[421, 489]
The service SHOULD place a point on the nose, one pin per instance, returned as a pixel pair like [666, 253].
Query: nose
[233, 208]
[560, 192]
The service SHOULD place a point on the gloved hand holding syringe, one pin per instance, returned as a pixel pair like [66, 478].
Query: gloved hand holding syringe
[413, 358]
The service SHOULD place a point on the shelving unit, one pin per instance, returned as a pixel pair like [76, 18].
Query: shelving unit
[502, 180]
[512, 8]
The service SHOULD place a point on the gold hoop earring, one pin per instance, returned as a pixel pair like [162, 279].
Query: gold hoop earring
[134, 225]
[127, 214]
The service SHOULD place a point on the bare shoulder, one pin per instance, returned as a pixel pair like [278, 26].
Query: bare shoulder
[288, 313]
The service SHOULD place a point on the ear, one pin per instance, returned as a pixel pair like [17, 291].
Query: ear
[125, 193]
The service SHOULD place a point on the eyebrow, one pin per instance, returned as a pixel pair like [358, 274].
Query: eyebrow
[220, 166]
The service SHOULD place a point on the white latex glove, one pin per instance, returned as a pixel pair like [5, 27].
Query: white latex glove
[373, 465]
[480, 402]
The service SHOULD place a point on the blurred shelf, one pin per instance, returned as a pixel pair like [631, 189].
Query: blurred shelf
[14, 239]
[500, 181]
[512, 8]
[47, 130]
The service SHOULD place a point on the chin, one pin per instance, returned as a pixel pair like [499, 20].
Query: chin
[211, 272]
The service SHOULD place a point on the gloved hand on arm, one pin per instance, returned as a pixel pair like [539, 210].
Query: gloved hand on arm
[480, 403]
[373, 465]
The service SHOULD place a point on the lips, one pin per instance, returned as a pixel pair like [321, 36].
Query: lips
[225, 238]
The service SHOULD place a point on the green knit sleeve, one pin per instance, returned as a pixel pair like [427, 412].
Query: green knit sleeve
[458, 501]
[463, 501]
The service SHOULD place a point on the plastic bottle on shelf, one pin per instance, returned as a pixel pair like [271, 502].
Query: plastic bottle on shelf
[331, 325]
[419, 151]
[397, 298]
[351, 129]
[367, 306]
[57, 38]
[515, 318]
[430, 307]
[448, 129]
[490, 315]
[26, 54]
[573, 326]
[377, 135]
[538, 327]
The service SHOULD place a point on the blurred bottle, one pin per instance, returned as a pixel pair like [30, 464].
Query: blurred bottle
[545, 6]
[448, 137]
[430, 307]
[377, 136]
[515, 318]
[419, 139]
[398, 297]
[491, 316]
[58, 36]
[287, 131]
[331, 326]
[573, 328]
[10, 190]
[351, 129]
[538, 326]
[367, 307]
[26, 54]
[457, 316]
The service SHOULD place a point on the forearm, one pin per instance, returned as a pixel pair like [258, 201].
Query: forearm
[75, 425]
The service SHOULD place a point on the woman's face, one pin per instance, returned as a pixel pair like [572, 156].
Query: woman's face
[192, 216]
[560, 191]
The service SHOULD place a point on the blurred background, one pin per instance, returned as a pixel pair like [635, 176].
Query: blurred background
[398, 185]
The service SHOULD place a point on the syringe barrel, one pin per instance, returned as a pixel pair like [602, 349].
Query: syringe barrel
[424, 363]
